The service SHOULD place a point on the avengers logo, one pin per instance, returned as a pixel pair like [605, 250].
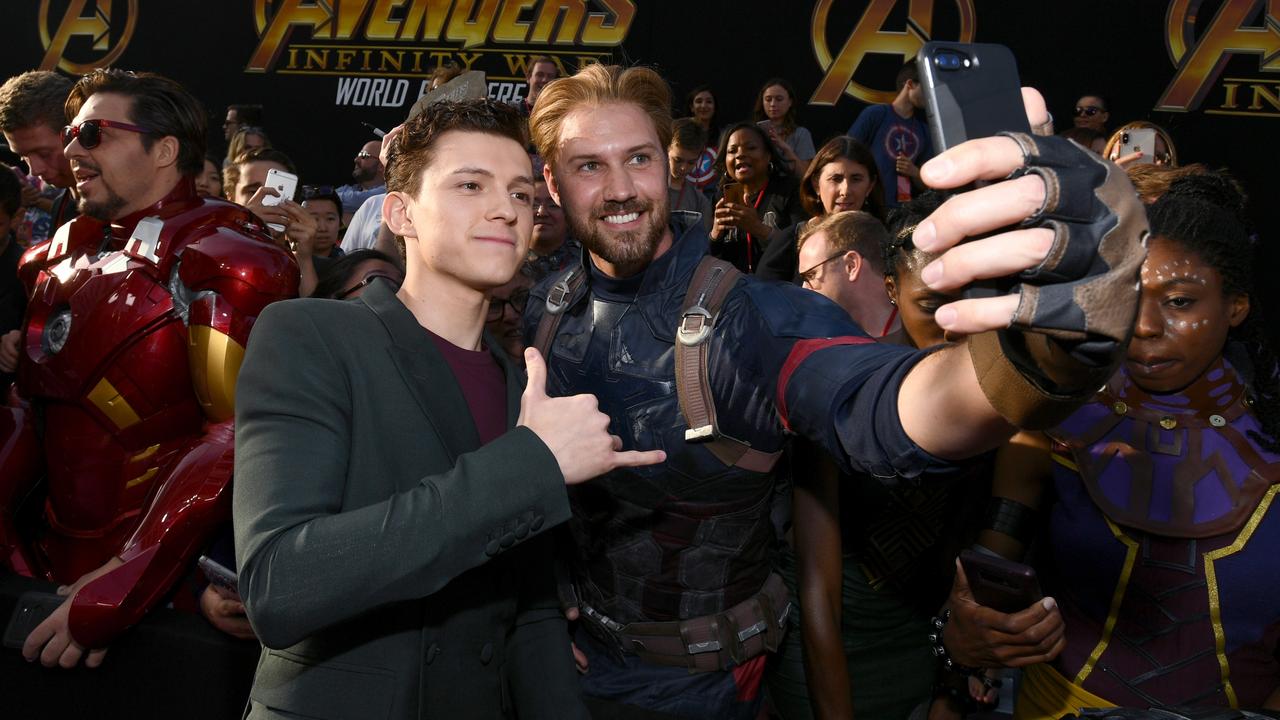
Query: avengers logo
[85, 34]
[383, 25]
[871, 36]
[1238, 27]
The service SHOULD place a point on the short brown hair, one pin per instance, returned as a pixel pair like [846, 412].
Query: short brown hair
[156, 103]
[597, 85]
[688, 134]
[853, 230]
[410, 154]
[34, 98]
[849, 149]
[533, 63]
[265, 154]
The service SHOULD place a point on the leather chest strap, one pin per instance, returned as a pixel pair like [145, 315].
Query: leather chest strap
[558, 300]
[712, 281]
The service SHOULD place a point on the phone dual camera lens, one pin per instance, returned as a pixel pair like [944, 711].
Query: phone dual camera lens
[950, 60]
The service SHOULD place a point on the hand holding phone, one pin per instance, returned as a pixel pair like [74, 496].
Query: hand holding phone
[998, 583]
[32, 609]
[286, 185]
[219, 575]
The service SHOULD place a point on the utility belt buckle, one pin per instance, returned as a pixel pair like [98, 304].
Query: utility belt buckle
[695, 326]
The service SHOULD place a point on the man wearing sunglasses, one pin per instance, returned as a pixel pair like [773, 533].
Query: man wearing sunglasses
[1091, 112]
[133, 340]
[369, 176]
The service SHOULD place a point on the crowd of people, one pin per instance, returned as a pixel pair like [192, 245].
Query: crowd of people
[590, 412]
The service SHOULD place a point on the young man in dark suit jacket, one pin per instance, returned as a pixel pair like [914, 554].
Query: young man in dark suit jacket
[391, 525]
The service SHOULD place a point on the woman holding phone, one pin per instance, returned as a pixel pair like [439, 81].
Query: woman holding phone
[758, 197]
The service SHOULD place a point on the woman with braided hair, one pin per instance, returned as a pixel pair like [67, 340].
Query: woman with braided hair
[1162, 541]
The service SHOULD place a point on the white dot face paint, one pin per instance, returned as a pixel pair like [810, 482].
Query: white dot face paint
[1183, 321]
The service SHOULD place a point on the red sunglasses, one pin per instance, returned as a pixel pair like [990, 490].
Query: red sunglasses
[90, 132]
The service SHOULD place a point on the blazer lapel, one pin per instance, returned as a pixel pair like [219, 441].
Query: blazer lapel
[424, 371]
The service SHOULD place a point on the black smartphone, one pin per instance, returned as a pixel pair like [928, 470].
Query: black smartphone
[219, 574]
[971, 90]
[31, 610]
[998, 583]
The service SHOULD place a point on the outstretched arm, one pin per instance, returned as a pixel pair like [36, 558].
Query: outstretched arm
[1069, 228]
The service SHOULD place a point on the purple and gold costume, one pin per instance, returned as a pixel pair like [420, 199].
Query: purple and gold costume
[1166, 550]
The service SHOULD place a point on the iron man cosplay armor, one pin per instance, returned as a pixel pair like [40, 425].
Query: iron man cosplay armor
[124, 398]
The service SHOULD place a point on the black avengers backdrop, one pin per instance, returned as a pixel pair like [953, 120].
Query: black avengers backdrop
[1207, 70]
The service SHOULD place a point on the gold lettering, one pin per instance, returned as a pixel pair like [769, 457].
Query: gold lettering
[1227, 35]
[345, 57]
[349, 14]
[366, 54]
[381, 26]
[425, 20]
[468, 61]
[291, 13]
[1262, 92]
[1229, 103]
[320, 58]
[508, 28]
[293, 60]
[585, 60]
[417, 62]
[391, 61]
[518, 64]
[470, 21]
[600, 30]
[550, 13]
[441, 58]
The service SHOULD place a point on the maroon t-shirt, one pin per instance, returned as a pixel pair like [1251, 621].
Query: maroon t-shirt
[483, 385]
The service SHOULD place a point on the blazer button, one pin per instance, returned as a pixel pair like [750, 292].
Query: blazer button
[432, 652]
[508, 540]
[536, 525]
[486, 653]
[493, 547]
[522, 531]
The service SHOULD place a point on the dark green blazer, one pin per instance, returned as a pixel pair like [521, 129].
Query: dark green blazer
[391, 567]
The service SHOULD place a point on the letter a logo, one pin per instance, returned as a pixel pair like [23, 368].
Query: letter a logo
[76, 23]
[869, 36]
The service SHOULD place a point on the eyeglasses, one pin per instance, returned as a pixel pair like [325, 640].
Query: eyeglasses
[1088, 110]
[364, 155]
[395, 284]
[313, 191]
[90, 132]
[498, 307]
[808, 276]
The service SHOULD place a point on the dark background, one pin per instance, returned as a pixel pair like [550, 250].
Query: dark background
[1064, 48]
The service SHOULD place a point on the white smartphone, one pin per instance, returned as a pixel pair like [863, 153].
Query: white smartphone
[284, 183]
[1139, 140]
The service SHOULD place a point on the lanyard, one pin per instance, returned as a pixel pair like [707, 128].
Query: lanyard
[889, 323]
[755, 205]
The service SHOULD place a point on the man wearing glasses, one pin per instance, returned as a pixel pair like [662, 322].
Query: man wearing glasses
[369, 180]
[133, 341]
[842, 261]
[1091, 112]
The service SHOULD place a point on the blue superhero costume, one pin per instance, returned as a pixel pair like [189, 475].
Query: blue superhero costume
[691, 537]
